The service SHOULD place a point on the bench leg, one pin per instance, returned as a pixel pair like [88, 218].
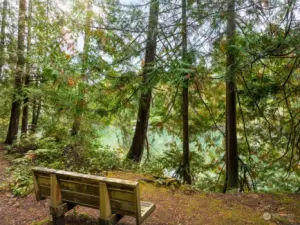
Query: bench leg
[58, 220]
[106, 215]
[112, 220]
[58, 214]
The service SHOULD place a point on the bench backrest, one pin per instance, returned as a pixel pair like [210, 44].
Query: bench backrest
[89, 190]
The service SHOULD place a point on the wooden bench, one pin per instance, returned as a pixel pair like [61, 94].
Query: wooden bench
[113, 197]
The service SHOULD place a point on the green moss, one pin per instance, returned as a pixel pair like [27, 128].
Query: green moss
[42, 222]
[83, 216]
[242, 215]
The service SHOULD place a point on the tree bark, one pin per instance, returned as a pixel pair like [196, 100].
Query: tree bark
[36, 111]
[185, 102]
[24, 128]
[231, 136]
[2, 38]
[137, 147]
[16, 101]
[226, 157]
[86, 48]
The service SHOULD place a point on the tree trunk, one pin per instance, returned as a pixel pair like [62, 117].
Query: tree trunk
[226, 157]
[137, 147]
[185, 103]
[76, 126]
[36, 111]
[24, 128]
[231, 136]
[2, 38]
[16, 101]
[86, 48]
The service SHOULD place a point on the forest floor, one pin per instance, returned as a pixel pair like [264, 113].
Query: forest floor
[176, 207]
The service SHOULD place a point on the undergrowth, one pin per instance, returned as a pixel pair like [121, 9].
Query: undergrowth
[81, 154]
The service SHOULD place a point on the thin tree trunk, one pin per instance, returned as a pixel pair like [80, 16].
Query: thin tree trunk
[36, 114]
[34, 108]
[148, 150]
[185, 103]
[137, 147]
[226, 157]
[80, 103]
[24, 128]
[231, 137]
[16, 101]
[2, 38]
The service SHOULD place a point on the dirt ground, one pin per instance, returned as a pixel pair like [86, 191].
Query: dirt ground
[173, 207]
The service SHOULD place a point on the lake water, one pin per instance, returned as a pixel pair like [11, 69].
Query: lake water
[112, 137]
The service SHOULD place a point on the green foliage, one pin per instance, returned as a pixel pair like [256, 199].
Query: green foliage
[27, 144]
[21, 182]
[103, 159]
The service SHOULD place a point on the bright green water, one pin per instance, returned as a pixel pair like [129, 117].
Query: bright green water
[111, 136]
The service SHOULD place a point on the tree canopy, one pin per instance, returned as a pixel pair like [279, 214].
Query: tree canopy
[217, 82]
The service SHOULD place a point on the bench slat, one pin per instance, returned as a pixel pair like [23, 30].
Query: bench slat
[91, 178]
[120, 207]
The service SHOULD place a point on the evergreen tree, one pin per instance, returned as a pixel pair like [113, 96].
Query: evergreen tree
[137, 147]
[17, 100]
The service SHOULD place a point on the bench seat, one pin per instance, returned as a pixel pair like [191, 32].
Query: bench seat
[146, 209]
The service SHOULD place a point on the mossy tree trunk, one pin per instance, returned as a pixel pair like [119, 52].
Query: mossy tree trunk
[24, 128]
[16, 100]
[2, 38]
